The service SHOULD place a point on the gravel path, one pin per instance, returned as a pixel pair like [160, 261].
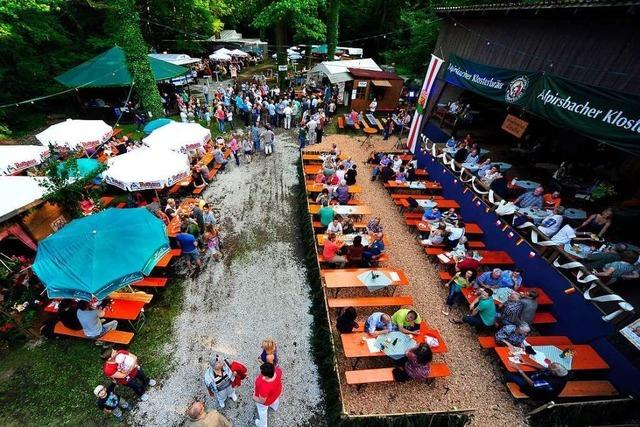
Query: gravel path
[475, 382]
[258, 291]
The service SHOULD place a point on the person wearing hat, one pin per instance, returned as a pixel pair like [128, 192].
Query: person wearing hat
[110, 402]
[219, 380]
[199, 417]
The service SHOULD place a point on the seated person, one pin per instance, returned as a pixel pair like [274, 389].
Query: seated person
[461, 154]
[378, 324]
[551, 224]
[455, 233]
[617, 269]
[513, 335]
[596, 260]
[491, 174]
[467, 263]
[435, 237]
[342, 192]
[92, 321]
[331, 250]
[510, 311]
[472, 158]
[374, 226]
[416, 364]
[350, 175]
[320, 179]
[483, 310]
[326, 214]
[68, 314]
[450, 217]
[432, 215]
[374, 250]
[387, 174]
[552, 200]
[530, 199]
[529, 302]
[407, 321]
[451, 143]
[401, 175]
[323, 196]
[334, 226]
[597, 224]
[219, 158]
[484, 167]
[348, 226]
[511, 279]
[346, 322]
[564, 235]
[489, 279]
[459, 281]
[411, 174]
[354, 252]
[545, 384]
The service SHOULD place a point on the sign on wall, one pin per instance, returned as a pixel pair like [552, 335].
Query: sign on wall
[514, 125]
[362, 84]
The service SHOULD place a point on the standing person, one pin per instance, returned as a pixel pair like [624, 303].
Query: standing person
[91, 319]
[198, 417]
[322, 121]
[269, 352]
[208, 218]
[124, 368]
[220, 118]
[302, 137]
[268, 389]
[255, 137]
[206, 90]
[233, 145]
[269, 141]
[109, 402]
[288, 111]
[373, 106]
[189, 246]
[312, 124]
[246, 148]
[219, 378]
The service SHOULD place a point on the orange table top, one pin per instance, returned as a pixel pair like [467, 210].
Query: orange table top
[313, 187]
[428, 185]
[123, 310]
[348, 209]
[543, 298]
[584, 358]
[370, 131]
[441, 204]
[348, 277]
[174, 225]
[353, 345]
[320, 238]
[312, 169]
[319, 157]
[495, 258]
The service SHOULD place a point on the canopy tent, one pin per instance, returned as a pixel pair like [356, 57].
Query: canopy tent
[320, 50]
[76, 133]
[238, 52]
[292, 55]
[100, 253]
[178, 137]
[223, 50]
[338, 71]
[155, 124]
[175, 58]
[147, 168]
[16, 158]
[219, 56]
[110, 69]
[18, 194]
[84, 167]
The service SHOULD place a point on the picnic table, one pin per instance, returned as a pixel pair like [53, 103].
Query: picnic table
[413, 185]
[319, 158]
[373, 121]
[573, 213]
[344, 209]
[174, 225]
[585, 358]
[118, 309]
[526, 185]
[543, 298]
[577, 250]
[348, 277]
[355, 346]
[313, 169]
[348, 239]
[430, 204]
[492, 258]
[536, 214]
[313, 187]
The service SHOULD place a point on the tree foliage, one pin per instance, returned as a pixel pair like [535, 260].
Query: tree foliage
[333, 19]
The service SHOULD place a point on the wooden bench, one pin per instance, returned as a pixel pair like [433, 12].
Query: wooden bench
[115, 336]
[490, 342]
[382, 258]
[471, 244]
[165, 260]
[369, 301]
[340, 122]
[382, 375]
[351, 202]
[399, 196]
[544, 318]
[132, 296]
[106, 200]
[574, 389]
[151, 282]
[199, 190]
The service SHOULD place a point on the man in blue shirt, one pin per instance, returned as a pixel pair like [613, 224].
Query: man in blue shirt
[511, 279]
[374, 250]
[545, 384]
[378, 324]
[271, 108]
[189, 246]
[490, 279]
[531, 199]
[91, 320]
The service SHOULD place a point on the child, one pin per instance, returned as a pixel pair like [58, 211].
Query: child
[247, 148]
[212, 243]
[110, 402]
[459, 281]
[269, 352]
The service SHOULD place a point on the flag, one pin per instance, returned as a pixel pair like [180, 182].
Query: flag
[416, 123]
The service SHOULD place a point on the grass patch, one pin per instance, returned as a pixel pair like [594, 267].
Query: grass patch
[52, 384]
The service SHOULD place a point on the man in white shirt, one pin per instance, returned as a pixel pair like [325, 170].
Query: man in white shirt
[288, 111]
[334, 227]
[373, 106]
[564, 235]
[551, 224]
[311, 126]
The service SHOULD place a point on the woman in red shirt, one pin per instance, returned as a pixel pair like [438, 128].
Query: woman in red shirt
[268, 388]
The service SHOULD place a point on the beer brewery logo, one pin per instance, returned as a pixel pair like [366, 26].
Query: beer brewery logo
[516, 88]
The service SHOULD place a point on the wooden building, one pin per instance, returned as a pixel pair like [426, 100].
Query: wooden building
[367, 85]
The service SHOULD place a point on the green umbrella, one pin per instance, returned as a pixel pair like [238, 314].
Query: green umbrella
[110, 68]
[100, 253]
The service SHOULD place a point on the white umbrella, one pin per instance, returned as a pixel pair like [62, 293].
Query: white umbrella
[76, 133]
[178, 136]
[238, 52]
[223, 50]
[147, 168]
[18, 193]
[219, 56]
[16, 158]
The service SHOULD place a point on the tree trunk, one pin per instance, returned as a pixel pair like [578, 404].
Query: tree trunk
[333, 18]
[281, 52]
[124, 14]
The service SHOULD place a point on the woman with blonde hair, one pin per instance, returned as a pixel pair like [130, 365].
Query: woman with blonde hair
[269, 352]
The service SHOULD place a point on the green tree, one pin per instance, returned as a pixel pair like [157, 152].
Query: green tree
[124, 18]
[333, 19]
[299, 16]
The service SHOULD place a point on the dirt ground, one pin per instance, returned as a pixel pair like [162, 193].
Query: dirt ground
[476, 380]
[259, 290]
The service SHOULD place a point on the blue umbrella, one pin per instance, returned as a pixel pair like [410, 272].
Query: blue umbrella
[100, 253]
[84, 167]
[155, 124]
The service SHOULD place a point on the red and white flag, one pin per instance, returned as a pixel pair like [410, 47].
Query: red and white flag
[416, 124]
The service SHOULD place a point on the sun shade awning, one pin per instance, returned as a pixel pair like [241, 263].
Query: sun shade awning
[381, 83]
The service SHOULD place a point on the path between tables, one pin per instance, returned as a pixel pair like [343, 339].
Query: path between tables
[476, 380]
[259, 290]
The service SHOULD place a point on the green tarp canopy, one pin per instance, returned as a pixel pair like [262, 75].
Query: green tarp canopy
[110, 69]
[321, 50]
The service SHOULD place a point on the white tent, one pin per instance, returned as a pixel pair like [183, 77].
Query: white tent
[147, 168]
[178, 136]
[175, 58]
[76, 133]
[223, 50]
[219, 56]
[238, 52]
[338, 71]
[16, 158]
[19, 193]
